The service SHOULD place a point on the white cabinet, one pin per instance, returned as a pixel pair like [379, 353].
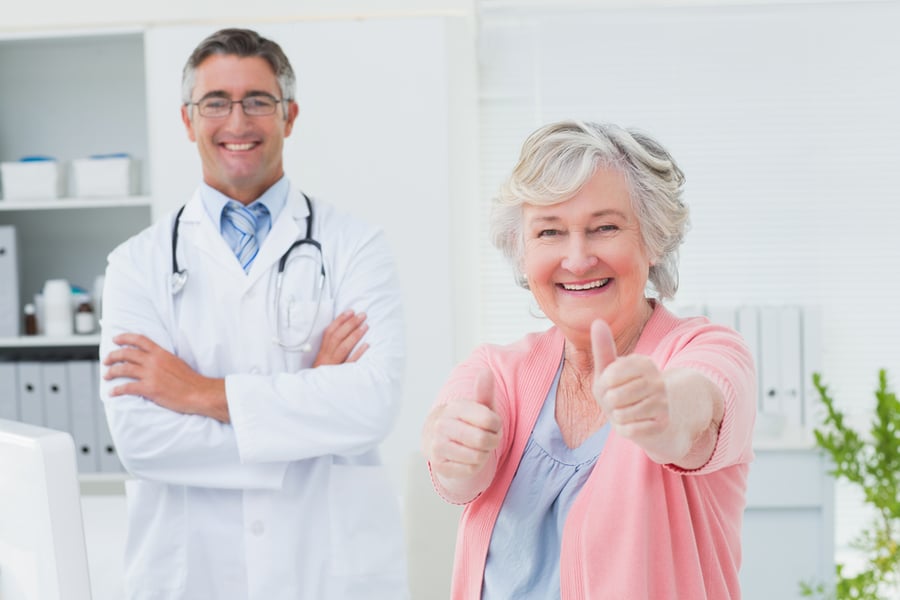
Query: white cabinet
[788, 534]
[71, 96]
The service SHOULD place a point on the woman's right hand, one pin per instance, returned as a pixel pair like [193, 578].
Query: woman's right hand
[459, 436]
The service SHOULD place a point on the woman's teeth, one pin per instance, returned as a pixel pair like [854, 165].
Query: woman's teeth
[586, 286]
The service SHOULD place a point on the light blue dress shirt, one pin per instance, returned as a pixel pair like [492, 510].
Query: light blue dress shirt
[273, 198]
[523, 556]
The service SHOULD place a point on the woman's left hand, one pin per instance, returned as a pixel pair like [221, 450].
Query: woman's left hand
[631, 392]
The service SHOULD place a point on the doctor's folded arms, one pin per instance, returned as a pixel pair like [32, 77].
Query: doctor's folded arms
[607, 457]
[253, 346]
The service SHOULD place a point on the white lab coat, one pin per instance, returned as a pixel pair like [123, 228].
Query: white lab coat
[289, 500]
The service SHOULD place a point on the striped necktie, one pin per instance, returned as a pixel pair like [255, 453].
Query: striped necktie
[243, 223]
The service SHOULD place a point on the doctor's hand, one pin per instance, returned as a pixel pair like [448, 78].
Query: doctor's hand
[459, 436]
[163, 378]
[339, 339]
[632, 394]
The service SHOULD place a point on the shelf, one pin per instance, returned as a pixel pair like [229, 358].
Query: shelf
[43, 341]
[75, 203]
[49, 35]
[103, 484]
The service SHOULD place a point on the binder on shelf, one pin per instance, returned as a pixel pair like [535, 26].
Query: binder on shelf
[770, 361]
[31, 393]
[9, 392]
[747, 325]
[56, 396]
[790, 338]
[84, 397]
[811, 324]
[108, 459]
[10, 315]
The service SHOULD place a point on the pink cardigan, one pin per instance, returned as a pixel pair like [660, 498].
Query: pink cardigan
[638, 530]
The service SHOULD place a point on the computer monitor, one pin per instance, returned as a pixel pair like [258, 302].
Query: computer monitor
[42, 548]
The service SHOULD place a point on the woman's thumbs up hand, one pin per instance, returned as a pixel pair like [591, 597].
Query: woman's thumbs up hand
[459, 436]
[631, 393]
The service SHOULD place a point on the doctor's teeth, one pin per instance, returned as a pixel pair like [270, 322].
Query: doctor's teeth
[586, 286]
[238, 146]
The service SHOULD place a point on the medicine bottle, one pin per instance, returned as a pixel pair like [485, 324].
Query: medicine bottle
[31, 327]
[84, 318]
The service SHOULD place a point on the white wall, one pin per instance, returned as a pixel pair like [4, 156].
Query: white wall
[49, 14]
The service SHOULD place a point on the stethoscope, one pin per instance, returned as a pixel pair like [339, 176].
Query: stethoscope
[179, 279]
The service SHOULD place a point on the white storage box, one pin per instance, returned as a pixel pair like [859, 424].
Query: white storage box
[31, 179]
[104, 176]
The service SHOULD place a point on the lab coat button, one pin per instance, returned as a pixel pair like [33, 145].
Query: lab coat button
[257, 528]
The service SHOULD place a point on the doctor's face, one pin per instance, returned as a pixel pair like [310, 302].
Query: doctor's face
[241, 155]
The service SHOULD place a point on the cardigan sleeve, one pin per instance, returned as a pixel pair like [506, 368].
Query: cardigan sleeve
[721, 355]
[461, 384]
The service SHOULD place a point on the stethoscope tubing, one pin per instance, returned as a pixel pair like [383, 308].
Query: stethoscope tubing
[179, 275]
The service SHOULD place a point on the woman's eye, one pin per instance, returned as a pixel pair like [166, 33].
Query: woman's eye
[604, 229]
[548, 233]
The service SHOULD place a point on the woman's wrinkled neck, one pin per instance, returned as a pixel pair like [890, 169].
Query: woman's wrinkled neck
[579, 355]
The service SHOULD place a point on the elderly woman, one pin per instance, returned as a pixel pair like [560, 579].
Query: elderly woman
[606, 457]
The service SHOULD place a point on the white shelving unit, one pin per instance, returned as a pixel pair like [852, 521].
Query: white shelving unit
[73, 95]
[70, 95]
[43, 341]
[75, 203]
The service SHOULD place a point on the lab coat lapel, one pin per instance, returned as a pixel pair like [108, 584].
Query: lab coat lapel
[198, 231]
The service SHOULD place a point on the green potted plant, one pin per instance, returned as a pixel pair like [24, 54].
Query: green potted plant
[871, 464]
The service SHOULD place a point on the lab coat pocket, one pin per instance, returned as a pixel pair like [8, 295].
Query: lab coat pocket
[303, 322]
[365, 523]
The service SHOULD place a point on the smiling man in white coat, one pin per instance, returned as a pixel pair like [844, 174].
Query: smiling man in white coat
[253, 352]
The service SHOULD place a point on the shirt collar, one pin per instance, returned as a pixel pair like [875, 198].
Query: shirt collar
[274, 199]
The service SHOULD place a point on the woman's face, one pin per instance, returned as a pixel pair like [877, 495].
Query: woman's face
[585, 258]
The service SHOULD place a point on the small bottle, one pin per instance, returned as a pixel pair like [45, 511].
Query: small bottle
[31, 327]
[57, 315]
[84, 318]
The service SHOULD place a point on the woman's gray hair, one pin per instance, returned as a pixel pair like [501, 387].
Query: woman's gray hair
[244, 43]
[556, 162]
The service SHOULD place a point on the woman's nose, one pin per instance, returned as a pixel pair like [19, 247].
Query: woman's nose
[579, 257]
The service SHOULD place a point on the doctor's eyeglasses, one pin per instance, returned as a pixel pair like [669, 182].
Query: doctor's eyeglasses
[255, 105]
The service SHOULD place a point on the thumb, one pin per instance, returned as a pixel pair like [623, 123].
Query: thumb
[484, 388]
[602, 346]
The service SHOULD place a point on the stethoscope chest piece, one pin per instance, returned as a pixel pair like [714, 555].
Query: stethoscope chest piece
[179, 278]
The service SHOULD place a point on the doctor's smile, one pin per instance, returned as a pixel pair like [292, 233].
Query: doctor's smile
[239, 147]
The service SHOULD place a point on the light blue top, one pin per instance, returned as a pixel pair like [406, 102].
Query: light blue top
[274, 199]
[523, 556]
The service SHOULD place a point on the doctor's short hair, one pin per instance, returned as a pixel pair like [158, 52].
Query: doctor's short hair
[558, 159]
[244, 43]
